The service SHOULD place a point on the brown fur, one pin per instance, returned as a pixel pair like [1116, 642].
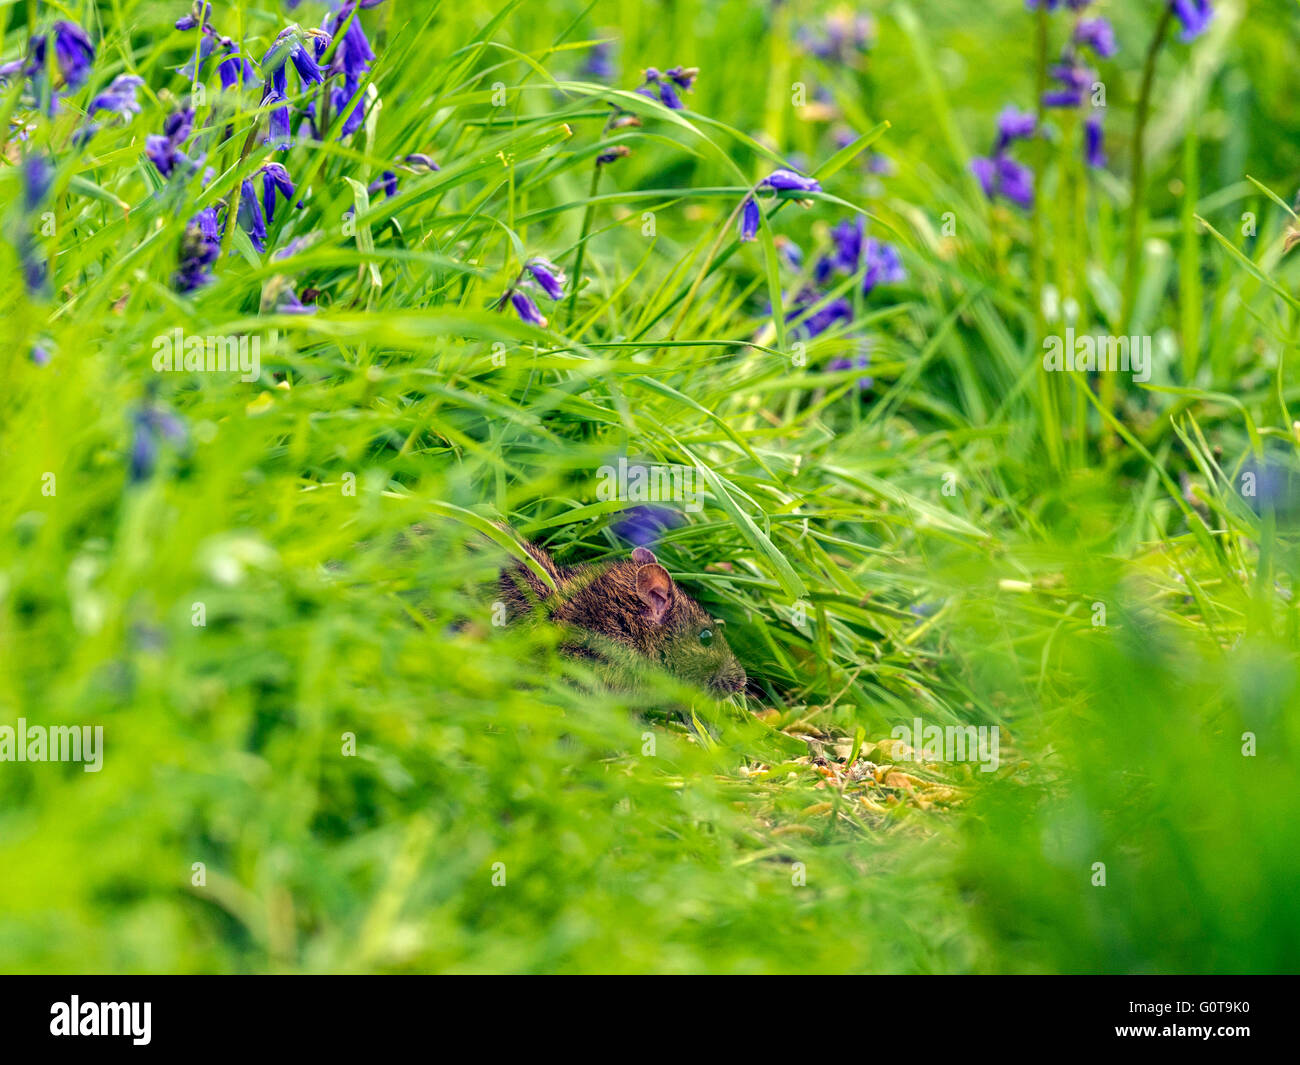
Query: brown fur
[625, 615]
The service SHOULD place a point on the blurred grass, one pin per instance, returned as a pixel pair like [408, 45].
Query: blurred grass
[475, 746]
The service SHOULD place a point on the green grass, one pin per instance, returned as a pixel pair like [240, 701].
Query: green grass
[934, 549]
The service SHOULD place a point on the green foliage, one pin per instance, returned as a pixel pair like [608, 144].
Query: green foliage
[376, 777]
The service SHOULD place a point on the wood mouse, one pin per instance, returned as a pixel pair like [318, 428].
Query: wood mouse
[627, 614]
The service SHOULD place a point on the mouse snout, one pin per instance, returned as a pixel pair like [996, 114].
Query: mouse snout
[729, 679]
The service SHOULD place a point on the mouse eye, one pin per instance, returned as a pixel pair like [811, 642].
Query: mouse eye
[706, 636]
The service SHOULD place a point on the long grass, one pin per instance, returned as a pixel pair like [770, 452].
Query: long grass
[349, 767]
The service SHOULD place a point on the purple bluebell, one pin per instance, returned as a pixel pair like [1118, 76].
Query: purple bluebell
[385, 183]
[860, 361]
[750, 216]
[644, 524]
[1097, 34]
[526, 309]
[73, 52]
[164, 150]
[38, 178]
[1195, 15]
[1003, 176]
[787, 180]
[846, 240]
[279, 134]
[40, 355]
[119, 97]
[150, 427]
[352, 53]
[1075, 79]
[548, 277]
[842, 39]
[884, 266]
[1014, 125]
[667, 83]
[251, 218]
[812, 315]
[198, 16]
[200, 248]
[1094, 141]
[617, 151]
[600, 61]
[275, 178]
[420, 163]
[234, 69]
[790, 252]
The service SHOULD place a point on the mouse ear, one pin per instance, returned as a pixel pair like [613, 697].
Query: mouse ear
[655, 588]
[643, 556]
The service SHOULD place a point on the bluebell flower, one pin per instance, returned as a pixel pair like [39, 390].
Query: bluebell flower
[1003, 176]
[200, 248]
[786, 180]
[600, 63]
[353, 54]
[846, 239]
[119, 97]
[288, 48]
[38, 177]
[667, 83]
[750, 216]
[790, 252]
[1014, 125]
[40, 355]
[861, 361]
[1195, 15]
[644, 524]
[1094, 141]
[275, 178]
[884, 266]
[386, 183]
[234, 69]
[811, 316]
[548, 276]
[151, 426]
[164, 151]
[198, 16]
[279, 134]
[73, 52]
[420, 163]
[1097, 34]
[526, 308]
[251, 219]
[1075, 79]
[843, 38]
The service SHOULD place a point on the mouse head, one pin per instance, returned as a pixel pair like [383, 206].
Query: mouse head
[679, 634]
